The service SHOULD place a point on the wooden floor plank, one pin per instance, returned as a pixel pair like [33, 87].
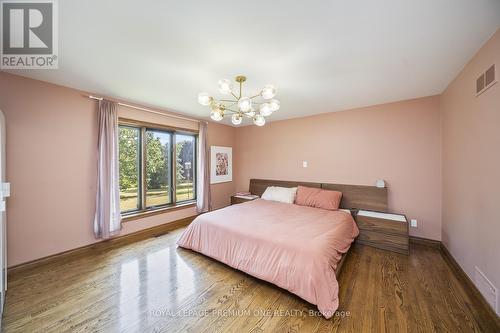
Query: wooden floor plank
[153, 286]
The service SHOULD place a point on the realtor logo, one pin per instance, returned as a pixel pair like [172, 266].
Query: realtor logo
[29, 34]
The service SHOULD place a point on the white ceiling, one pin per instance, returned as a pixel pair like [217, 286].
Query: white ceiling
[322, 55]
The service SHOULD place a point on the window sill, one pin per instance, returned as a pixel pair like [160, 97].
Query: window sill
[143, 214]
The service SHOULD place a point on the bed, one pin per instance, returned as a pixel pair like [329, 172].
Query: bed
[297, 248]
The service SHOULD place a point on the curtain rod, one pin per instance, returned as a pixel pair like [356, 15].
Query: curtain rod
[147, 110]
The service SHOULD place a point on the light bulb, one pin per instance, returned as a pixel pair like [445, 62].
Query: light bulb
[265, 109]
[274, 104]
[259, 120]
[251, 113]
[268, 92]
[204, 98]
[236, 119]
[216, 115]
[225, 86]
[245, 104]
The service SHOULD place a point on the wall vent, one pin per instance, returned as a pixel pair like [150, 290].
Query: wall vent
[489, 76]
[486, 80]
[480, 84]
[487, 289]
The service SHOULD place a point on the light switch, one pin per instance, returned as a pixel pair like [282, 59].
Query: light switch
[304, 164]
[413, 223]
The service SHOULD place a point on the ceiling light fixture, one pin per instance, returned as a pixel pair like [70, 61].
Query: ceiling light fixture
[241, 106]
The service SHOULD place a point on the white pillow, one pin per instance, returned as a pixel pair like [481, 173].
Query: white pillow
[280, 194]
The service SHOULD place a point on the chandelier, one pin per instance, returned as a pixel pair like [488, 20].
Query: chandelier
[241, 106]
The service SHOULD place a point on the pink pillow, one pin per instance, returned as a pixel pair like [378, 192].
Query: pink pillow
[316, 197]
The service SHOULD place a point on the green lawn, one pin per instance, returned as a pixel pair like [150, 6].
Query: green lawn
[128, 199]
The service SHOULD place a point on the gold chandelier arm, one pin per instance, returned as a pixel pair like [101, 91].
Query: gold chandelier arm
[232, 104]
[255, 96]
[229, 103]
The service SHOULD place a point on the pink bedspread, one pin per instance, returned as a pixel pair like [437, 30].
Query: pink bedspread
[294, 247]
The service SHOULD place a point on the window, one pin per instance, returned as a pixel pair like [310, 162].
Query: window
[185, 171]
[129, 152]
[157, 168]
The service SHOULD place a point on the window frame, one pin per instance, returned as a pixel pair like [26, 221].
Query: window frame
[145, 171]
[143, 210]
[139, 169]
[194, 168]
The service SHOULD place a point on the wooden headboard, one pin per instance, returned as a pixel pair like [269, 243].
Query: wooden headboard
[258, 186]
[353, 196]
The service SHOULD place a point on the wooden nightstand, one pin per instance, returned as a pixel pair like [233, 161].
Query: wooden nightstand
[236, 199]
[383, 230]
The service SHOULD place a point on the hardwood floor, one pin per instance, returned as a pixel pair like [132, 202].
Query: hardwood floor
[153, 286]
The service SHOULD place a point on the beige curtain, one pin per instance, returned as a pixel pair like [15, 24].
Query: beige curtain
[107, 220]
[203, 203]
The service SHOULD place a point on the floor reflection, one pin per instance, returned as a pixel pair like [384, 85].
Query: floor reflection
[129, 292]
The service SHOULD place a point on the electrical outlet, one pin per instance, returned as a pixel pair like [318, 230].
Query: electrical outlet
[413, 223]
[304, 164]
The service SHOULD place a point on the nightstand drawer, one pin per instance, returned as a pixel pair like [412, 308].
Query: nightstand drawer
[382, 225]
[383, 230]
[391, 242]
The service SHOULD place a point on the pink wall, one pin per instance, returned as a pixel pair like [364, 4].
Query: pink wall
[399, 142]
[471, 167]
[51, 164]
[221, 135]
